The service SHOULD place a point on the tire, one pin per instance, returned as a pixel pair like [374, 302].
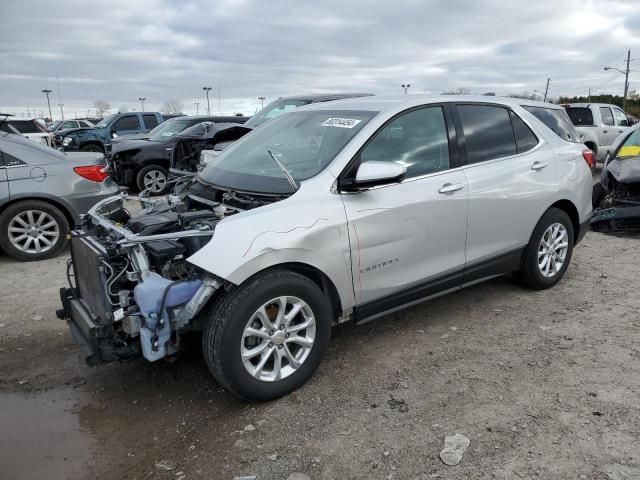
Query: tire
[92, 148]
[532, 273]
[224, 335]
[155, 177]
[27, 216]
[597, 195]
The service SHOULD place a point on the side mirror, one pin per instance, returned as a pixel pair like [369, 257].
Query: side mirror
[373, 174]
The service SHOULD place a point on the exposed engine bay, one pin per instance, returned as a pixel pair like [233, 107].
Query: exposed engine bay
[129, 278]
[616, 198]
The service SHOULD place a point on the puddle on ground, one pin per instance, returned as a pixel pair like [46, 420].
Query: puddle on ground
[41, 438]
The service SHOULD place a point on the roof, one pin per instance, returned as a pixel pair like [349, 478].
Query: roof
[587, 105]
[320, 97]
[378, 104]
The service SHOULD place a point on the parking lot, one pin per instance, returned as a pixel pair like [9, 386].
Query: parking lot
[545, 385]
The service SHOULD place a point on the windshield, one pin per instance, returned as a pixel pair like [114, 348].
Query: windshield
[106, 121]
[55, 125]
[168, 129]
[303, 142]
[275, 109]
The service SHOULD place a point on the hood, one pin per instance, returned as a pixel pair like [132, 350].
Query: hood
[68, 131]
[136, 136]
[139, 145]
[215, 131]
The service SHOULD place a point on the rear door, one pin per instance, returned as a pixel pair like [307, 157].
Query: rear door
[608, 132]
[4, 184]
[127, 125]
[408, 238]
[511, 175]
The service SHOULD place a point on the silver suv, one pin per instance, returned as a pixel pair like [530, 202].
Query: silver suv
[338, 211]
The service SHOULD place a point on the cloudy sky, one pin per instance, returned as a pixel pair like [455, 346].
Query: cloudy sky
[121, 50]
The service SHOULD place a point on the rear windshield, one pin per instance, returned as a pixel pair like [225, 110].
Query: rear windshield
[580, 116]
[557, 120]
[26, 127]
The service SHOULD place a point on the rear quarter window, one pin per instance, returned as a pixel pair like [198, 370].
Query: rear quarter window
[26, 127]
[580, 116]
[557, 120]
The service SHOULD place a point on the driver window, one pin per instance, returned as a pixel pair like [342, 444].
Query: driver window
[418, 140]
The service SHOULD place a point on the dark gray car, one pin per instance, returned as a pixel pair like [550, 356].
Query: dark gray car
[43, 192]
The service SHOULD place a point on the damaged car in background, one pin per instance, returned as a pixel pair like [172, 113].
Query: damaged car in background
[616, 198]
[329, 213]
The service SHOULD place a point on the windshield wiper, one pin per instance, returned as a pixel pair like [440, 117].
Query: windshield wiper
[286, 172]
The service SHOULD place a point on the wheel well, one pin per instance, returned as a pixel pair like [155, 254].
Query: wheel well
[92, 142]
[317, 277]
[58, 205]
[571, 210]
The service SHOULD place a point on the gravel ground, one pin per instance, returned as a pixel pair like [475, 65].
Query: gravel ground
[544, 384]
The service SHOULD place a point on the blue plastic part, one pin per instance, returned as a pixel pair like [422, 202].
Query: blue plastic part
[148, 295]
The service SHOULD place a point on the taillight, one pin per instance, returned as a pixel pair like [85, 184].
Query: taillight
[589, 157]
[95, 173]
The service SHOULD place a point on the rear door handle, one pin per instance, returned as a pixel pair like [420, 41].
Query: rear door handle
[451, 187]
[539, 165]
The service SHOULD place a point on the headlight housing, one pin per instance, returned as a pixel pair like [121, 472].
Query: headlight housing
[67, 141]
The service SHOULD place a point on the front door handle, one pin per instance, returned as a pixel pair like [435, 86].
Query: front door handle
[451, 187]
[605, 131]
[539, 165]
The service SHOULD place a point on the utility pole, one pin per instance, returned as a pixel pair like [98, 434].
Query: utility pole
[589, 98]
[626, 82]
[61, 110]
[406, 87]
[219, 102]
[546, 90]
[262, 99]
[142, 99]
[206, 89]
[47, 92]
[197, 104]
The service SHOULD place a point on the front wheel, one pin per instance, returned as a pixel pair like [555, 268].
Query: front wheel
[548, 253]
[153, 178]
[267, 337]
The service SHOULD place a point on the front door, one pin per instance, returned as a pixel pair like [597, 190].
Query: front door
[409, 235]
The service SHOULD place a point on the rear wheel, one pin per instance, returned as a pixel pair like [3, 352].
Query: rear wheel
[153, 178]
[266, 337]
[547, 256]
[32, 230]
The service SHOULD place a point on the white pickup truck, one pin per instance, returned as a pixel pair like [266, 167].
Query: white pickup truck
[598, 125]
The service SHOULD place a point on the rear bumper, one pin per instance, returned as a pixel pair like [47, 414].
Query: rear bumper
[81, 204]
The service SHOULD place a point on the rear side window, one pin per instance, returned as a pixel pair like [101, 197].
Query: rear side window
[580, 116]
[557, 120]
[525, 138]
[26, 127]
[418, 140]
[150, 121]
[487, 132]
[126, 123]
[607, 117]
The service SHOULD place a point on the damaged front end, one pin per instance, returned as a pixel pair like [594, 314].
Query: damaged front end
[131, 289]
[617, 196]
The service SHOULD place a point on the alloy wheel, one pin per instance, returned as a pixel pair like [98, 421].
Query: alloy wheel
[278, 338]
[155, 181]
[33, 231]
[552, 251]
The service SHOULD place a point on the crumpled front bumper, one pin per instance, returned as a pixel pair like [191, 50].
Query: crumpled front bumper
[95, 340]
[616, 219]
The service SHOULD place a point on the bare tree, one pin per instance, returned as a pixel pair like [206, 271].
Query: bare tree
[525, 95]
[173, 107]
[101, 107]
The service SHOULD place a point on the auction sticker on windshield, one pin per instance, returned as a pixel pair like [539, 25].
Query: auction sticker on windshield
[341, 122]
